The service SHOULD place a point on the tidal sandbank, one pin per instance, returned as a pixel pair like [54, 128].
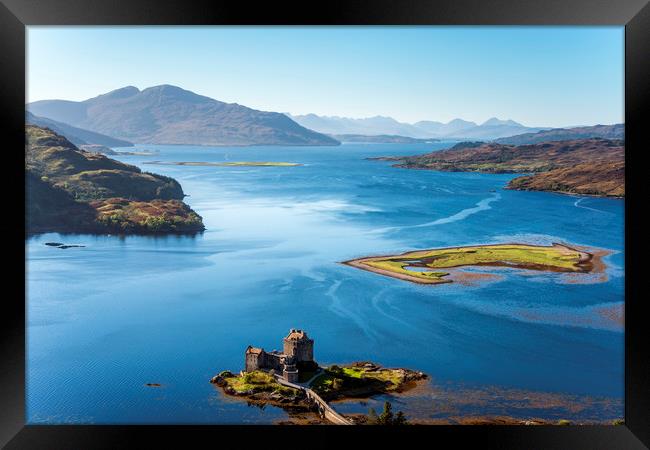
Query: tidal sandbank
[444, 265]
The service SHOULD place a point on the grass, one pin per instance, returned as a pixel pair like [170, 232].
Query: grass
[257, 381]
[555, 257]
[336, 379]
[400, 267]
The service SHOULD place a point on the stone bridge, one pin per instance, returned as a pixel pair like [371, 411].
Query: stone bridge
[324, 410]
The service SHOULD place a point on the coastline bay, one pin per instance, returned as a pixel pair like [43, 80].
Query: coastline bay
[125, 311]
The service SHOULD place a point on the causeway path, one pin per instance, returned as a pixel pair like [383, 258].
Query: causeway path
[323, 408]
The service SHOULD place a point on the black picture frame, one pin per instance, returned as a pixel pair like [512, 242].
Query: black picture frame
[15, 15]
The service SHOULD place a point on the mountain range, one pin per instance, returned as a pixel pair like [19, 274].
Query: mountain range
[380, 125]
[616, 131]
[167, 114]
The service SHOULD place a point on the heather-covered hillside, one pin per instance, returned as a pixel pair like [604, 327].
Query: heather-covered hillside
[73, 190]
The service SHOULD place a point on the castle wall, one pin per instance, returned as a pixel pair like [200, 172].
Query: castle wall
[289, 347]
[305, 351]
[274, 361]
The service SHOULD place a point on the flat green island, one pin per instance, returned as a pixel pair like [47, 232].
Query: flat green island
[225, 164]
[436, 266]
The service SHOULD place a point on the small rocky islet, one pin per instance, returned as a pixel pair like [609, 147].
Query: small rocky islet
[293, 380]
[356, 380]
[62, 245]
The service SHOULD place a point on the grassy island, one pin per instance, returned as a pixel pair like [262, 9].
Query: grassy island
[357, 380]
[437, 265]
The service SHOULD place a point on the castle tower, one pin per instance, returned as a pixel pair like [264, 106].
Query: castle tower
[255, 358]
[298, 345]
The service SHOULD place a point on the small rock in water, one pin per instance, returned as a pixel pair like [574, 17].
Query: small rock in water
[54, 244]
[153, 384]
[70, 246]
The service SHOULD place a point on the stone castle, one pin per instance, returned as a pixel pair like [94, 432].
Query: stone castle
[297, 356]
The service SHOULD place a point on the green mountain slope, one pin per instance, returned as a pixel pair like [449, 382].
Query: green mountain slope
[72, 190]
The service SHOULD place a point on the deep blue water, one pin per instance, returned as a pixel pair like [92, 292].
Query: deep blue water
[105, 319]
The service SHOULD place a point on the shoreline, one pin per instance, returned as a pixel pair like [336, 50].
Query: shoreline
[507, 187]
[366, 380]
[571, 194]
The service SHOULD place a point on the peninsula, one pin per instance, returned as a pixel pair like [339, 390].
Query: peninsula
[436, 266]
[583, 166]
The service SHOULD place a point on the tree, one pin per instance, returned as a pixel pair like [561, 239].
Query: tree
[372, 417]
[335, 369]
[386, 417]
[400, 419]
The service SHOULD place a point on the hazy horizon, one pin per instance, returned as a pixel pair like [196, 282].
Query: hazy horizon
[537, 76]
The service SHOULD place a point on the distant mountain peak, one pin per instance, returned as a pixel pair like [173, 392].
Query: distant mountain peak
[454, 121]
[496, 122]
[176, 93]
[125, 92]
[426, 129]
[165, 88]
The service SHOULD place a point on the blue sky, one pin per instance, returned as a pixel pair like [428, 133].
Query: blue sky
[540, 76]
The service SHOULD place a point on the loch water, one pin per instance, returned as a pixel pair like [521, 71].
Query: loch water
[107, 318]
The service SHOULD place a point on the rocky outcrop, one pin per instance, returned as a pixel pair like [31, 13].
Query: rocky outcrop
[606, 179]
